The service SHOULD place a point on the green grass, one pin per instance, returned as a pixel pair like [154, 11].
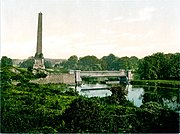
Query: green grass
[162, 83]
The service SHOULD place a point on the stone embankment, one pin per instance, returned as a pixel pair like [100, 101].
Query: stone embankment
[56, 78]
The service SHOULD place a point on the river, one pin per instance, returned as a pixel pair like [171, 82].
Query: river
[136, 94]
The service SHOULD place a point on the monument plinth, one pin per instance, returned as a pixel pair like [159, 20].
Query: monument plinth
[39, 59]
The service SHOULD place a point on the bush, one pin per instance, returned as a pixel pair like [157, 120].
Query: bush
[83, 115]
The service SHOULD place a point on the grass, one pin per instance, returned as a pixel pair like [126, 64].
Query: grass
[163, 83]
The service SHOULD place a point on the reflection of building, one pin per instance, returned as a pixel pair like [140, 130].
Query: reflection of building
[129, 75]
[39, 59]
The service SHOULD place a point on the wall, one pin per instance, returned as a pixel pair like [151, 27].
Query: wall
[57, 78]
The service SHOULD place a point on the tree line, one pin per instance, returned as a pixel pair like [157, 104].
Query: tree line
[156, 66]
[92, 63]
[160, 66]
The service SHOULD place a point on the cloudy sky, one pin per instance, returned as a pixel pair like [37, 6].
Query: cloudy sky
[90, 27]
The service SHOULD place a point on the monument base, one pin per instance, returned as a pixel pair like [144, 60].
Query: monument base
[39, 64]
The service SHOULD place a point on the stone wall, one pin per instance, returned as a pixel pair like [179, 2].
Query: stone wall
[57, 78]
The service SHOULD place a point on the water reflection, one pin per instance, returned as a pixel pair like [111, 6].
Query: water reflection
[95, 90]
[138, 95]
[135, 95]
[166, 96]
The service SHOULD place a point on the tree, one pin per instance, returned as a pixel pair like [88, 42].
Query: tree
[89, 63]
[5, 61]
[146, 68]
[174, 66]
[48, 64]
[119, 93]
[159, 66]
[133, 63]
[27, 63]
[83, 115]
[109, 62]
[71, 63]
[159, 63]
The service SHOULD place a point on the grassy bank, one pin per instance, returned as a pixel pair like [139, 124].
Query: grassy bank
[163, 83]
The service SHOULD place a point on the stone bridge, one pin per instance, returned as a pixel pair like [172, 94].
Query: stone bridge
[82, 74]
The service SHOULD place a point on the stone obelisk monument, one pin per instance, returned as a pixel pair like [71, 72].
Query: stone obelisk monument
[39, 59]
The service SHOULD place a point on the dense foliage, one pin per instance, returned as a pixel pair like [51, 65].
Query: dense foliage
[110, 62]
[29, 107]
[156, 66]
[71, 63]
[50, 108]
[30, 62]
[27, 63]
[5, 61]
[160, 66]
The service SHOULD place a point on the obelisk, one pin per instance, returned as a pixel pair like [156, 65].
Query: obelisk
[39, 35]
[39, 59]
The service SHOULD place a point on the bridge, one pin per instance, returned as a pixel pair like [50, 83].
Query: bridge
[83, 74]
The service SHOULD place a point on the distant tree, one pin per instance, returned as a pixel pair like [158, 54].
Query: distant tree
[48, 64]
[133, 63]
[56, 65]
[27, 63]
[109, 62]
[89, 63]
[62, 64]
[5, 61]
[174, 66]
[159, 66]
[71, 63]
[146, 69]
[125, 63]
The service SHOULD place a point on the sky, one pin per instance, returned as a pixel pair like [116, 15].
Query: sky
[90, 27]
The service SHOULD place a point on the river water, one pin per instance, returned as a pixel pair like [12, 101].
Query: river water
[136, 94]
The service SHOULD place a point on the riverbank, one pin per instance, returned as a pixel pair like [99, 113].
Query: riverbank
[162, 83]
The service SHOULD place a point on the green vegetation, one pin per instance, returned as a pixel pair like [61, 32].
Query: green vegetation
[162, 83]
[71, 63]
[51, 108]
[110, 62]
[160, 66]
[30, 62]
[29, 107]
[56, 108]
[5, 61]
[27, 63]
